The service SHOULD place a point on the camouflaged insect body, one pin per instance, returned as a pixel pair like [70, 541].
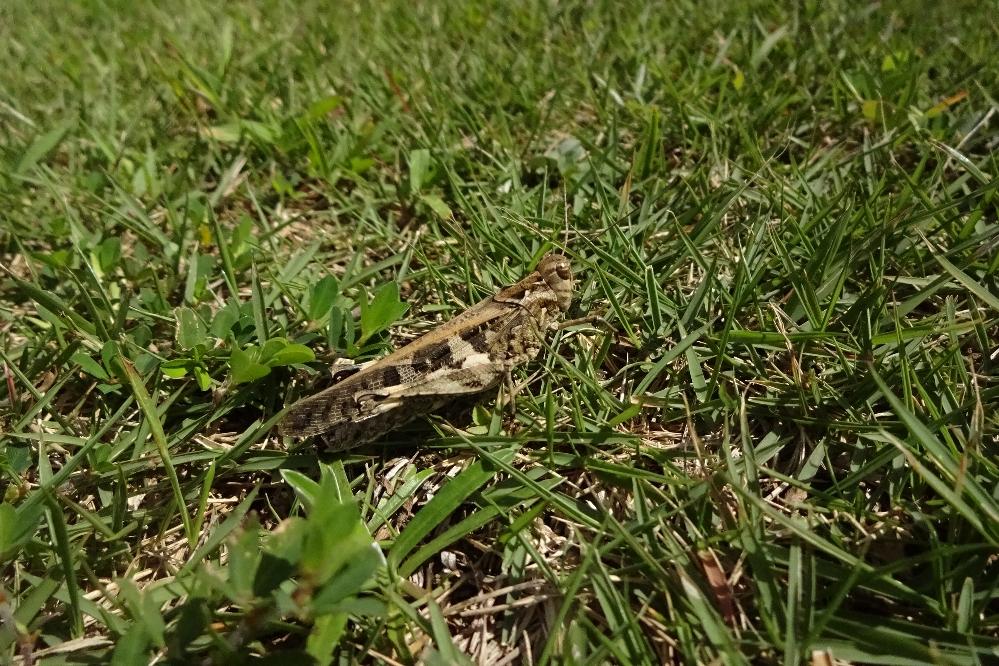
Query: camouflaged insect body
[469, 354]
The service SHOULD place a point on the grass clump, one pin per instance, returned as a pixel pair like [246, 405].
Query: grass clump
[782, 450]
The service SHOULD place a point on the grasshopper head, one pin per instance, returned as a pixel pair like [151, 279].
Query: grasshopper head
[557, 274]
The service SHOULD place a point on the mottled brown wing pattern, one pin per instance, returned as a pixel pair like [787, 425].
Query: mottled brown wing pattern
[469, 354]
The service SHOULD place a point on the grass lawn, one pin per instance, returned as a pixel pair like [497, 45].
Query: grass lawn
[782, 449]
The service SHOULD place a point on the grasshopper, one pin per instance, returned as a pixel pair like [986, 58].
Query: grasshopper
[469, 354]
